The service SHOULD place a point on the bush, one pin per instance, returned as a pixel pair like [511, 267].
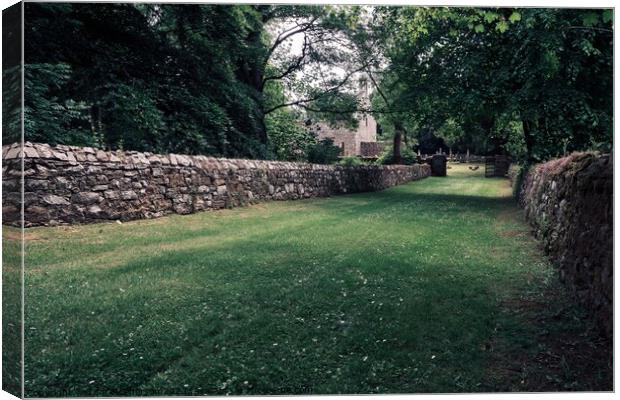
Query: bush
[407, 155]
[324, 152]
[351, 161]
[517, 173]
[288, 138]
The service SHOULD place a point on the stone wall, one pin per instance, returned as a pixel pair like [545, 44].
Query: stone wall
[66, 184]
[569, 202]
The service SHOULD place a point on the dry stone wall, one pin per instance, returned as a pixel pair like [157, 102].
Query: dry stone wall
[569, 202]
[67, 184]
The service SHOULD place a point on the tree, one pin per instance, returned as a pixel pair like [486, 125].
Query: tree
[157, 78]
[217, 79]
[47, 118]
[451, 132]
[483, 66]
[186, 78]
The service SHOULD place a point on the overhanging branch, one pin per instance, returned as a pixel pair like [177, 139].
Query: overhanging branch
[353, 110]
[320, 95]
[299, 28]
[293, 67]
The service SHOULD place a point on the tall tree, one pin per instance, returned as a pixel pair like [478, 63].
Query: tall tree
[532, 65]
[184, 78]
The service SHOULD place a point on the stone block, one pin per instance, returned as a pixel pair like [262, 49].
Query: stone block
[112, 194]
[102, 156]
[94, 209]
[30, 152]
[14, 152]
[86, 198]
[128, 195]
[55, 200]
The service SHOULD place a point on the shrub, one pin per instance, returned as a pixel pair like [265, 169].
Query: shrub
[351, 161]
[407, 155]
[517, 174]
[289, 139]
[323, 152]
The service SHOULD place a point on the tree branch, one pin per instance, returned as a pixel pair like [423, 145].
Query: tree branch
[294, 66]
[321, 94]
[592, 28]
[369, 72]
[353, 110]
[299, 28]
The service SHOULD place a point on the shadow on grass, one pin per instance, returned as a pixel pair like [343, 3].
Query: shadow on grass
[382, 332]
[392, 204]
[412, 206]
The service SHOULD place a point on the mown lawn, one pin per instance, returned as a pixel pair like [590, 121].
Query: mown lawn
[434, 286]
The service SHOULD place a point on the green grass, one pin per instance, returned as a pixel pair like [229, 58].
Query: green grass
[11, 311]
[414, 289]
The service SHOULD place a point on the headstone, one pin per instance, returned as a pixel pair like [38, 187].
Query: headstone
[438, 165]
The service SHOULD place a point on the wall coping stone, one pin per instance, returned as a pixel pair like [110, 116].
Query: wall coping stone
[76, 154]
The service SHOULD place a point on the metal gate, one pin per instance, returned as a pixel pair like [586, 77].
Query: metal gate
[496, 166]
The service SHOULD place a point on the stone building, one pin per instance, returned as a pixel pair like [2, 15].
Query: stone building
[360, 142]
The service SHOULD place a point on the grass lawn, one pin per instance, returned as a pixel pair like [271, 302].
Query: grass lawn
[433, 286]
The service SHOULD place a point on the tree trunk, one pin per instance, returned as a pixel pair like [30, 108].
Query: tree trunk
[262, 129]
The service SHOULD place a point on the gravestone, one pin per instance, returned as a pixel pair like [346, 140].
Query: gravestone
[438, 165]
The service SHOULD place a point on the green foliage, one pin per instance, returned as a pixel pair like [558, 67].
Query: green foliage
[164, 78]
[515, 17]
[393, 112]
[387, 157]
[350, 161]
[47, 117]
[336, 105]
[517, 181]
[480, 65]
[323, 152]
[131, 118]
[451, 132]
[513, 141]
[207, 79]
[11, 91]
[288, 137]
[184, 78]
[11, 105]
